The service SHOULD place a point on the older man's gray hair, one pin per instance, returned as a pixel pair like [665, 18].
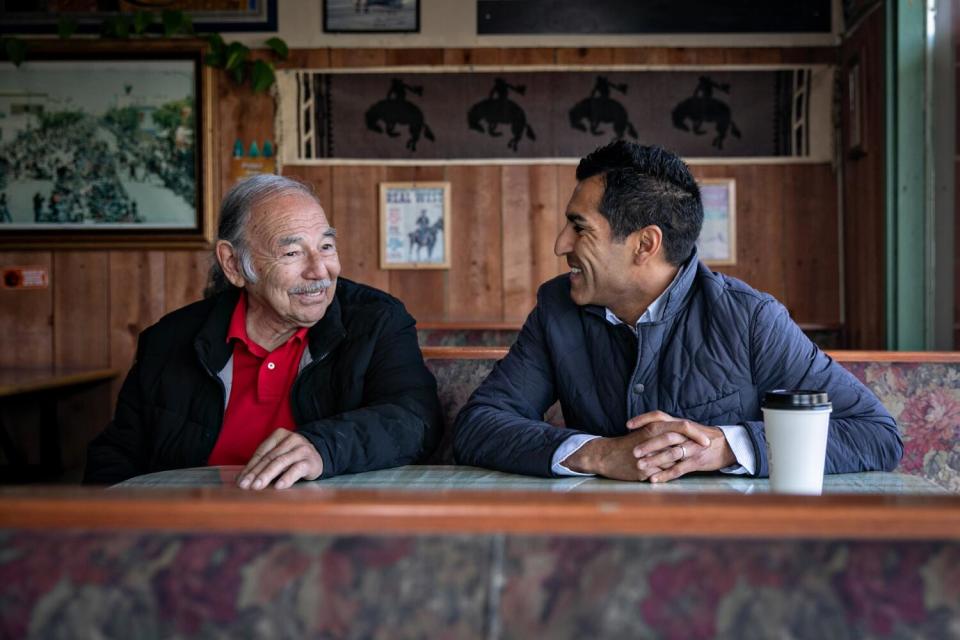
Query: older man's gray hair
[235, 215]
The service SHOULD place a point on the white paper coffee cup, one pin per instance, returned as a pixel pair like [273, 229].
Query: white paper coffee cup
[796, 423]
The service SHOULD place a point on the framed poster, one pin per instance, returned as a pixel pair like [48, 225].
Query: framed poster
[107, 145]
[414, 225]
[717, 244]
[371, 16]
[42, 16]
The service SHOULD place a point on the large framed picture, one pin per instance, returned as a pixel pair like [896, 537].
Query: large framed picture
[107, 145]
[414, 225]
[371, 16]
[717, 244]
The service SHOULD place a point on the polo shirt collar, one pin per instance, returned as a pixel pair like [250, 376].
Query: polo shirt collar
[237, 330]
[214, 349]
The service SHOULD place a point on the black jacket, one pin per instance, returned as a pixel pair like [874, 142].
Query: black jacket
[365, 400]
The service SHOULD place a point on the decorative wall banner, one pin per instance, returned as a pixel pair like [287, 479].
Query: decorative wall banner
[419, 115]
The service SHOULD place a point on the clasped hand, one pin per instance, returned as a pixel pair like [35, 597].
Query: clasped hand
[284, 455]
[658, 448]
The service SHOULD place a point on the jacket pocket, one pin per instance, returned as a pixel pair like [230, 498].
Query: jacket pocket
[720, 411]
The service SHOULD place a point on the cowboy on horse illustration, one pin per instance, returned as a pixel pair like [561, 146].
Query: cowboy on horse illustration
[499, 109]
[599, 108]
[703, 107]
[424, 236]
[396, 109]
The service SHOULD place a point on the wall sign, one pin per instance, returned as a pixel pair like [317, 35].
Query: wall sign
[414, 225]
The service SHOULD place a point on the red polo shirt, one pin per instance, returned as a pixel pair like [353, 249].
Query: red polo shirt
[260, 393]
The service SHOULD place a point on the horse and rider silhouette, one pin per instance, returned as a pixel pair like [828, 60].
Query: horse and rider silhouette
[424, 237]
[703, 107]
[599, 108]
[396, 109]
[499, 109]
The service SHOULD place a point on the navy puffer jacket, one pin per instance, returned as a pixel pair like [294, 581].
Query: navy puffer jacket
[718, 348]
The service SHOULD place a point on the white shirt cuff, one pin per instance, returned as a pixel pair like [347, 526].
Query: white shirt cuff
[742, 447]
[566, 449]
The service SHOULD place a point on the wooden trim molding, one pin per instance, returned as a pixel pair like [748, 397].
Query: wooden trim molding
[319, 510]
[495, 353]
[895, 356]
[464, 353]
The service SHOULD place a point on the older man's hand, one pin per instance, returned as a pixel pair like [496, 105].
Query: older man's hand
[284, 455]
[671, 447]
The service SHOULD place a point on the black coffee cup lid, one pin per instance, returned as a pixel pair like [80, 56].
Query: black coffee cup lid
[796, 399]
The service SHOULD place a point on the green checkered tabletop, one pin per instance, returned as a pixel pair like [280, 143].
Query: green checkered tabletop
[439, 478]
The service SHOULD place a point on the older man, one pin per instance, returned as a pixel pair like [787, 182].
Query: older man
[287, 368]
[659, 364]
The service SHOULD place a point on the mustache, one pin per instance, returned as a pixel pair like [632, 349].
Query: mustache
[313, 287]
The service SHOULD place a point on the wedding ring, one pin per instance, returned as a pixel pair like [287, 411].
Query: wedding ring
[683, 452]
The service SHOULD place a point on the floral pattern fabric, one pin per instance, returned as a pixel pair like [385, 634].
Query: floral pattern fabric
[219, 585]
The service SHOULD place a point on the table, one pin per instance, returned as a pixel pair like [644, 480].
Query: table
[465, 552]
[37, 385]
[448, 477]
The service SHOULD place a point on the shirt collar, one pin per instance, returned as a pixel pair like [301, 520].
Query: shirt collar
[654, 312]
[237, 329]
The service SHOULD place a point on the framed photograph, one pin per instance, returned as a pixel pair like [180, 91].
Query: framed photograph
[717, 244]
[42, 16]
[107, 144]
[371, 16]
[854, 110]
[414, 225]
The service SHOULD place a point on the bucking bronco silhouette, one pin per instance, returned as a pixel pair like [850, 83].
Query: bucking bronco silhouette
[396, 109]
[424, 237]
[599, 108]
[499, 109]
[703, 107]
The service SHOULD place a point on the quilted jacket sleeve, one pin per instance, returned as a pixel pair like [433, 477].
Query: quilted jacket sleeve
[863, 436]
[400, 420]
[501, 426]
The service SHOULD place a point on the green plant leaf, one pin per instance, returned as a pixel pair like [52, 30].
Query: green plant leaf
[142, 21]
[115, 27]
[214, 59]
[236, 55]
[175, 22]
[279, 47]
[239, 73]
[16, 50]
[215, 40]
[66, 27]
[262, 76]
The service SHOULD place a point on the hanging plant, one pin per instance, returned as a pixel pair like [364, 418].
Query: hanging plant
[232, 57]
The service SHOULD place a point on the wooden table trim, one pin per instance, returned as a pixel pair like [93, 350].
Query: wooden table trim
[376, 512]
[47, 378]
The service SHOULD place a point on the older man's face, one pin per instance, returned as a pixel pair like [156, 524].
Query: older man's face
[295, 257]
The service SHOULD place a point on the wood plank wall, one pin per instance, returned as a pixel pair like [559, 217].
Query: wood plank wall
[506, 219]
[863, 189]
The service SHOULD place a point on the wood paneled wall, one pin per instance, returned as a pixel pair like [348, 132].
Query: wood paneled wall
[505, 220]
